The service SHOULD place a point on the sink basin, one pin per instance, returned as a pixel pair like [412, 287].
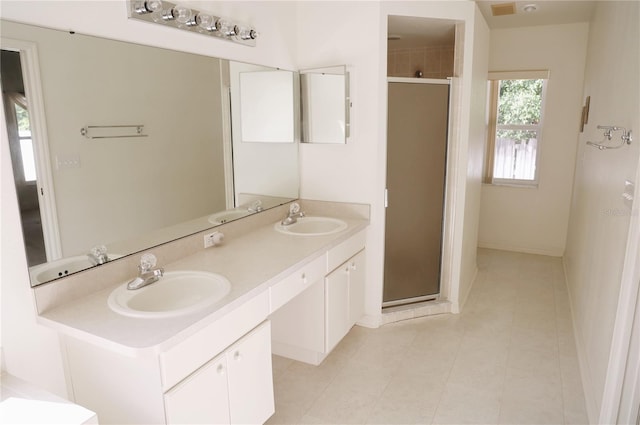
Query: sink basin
[224, 216]
[313, 226]
[61, 268]
[175, 294]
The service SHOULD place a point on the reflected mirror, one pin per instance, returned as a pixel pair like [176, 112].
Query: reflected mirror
[137, 149]
[325, 105]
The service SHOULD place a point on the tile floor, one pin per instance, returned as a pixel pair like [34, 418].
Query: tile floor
[509, 358]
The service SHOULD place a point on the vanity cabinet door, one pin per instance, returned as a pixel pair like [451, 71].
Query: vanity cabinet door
[356, 287]
[344, 294]
[336, 306]
[250, 378]
[202, 398]
[236, 387]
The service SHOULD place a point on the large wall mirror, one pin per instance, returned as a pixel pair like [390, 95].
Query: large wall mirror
[171, 170]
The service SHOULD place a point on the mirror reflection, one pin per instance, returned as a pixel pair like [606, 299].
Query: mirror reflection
[117, 193]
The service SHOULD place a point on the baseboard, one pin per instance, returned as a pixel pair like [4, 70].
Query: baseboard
[552, 252]
[589, 396]
[465, 296]
[369, 321]
[297, 353]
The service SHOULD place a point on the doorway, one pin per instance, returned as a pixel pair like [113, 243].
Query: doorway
[420, 64]
[416, 166]
[23, 105]
[22, 155]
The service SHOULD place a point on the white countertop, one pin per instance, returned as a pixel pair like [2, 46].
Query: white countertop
[252, 262]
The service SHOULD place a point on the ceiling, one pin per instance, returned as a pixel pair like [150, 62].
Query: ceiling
[549, 12]
[409, 32]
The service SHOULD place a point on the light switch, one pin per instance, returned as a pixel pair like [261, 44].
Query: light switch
[68, 161]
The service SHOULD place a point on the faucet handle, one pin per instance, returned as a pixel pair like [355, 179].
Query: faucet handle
[98, 250]
[147, 262]
[294, 208]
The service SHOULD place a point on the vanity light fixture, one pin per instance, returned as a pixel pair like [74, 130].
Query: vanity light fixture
[185, 18]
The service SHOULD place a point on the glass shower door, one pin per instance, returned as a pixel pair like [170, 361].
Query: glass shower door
[416, 166]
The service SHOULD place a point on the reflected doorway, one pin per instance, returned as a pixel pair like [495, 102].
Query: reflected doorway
[18, 125]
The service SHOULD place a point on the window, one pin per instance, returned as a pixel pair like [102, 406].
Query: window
[515, 126]
[26, 143]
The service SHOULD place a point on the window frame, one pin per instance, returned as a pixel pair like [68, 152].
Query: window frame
[493, 85]
[16, 104]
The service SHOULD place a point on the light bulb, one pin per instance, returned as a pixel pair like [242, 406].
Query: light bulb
[206, 22]
[153, 5]
[245, 33]
[150, 6]
[182, 14]
[225, 27]
[168, 15]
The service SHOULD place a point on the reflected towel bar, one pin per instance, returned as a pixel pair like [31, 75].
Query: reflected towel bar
[86, 130]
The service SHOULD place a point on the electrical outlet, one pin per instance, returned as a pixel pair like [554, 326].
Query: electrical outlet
[213, 239]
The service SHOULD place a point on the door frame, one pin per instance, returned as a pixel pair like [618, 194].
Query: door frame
[33, 92]
[621, 396]
[447, 211]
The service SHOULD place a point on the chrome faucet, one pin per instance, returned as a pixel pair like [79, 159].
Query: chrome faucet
[294, 214]
[255, 207]
[146, 272]
[98, 255]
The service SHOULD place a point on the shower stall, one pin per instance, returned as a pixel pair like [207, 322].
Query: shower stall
[418, 117]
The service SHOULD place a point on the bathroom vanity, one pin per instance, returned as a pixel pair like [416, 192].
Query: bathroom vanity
[301, 291]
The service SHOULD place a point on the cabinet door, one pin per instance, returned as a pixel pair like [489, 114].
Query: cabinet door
[356, 287]
[336, 306]
[250, 378]
[202, 398]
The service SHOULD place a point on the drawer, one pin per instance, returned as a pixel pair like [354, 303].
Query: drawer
[345, 250]
[180, 361]
[292, 285]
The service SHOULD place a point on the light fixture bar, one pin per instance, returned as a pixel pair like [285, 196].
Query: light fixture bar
[188, 19]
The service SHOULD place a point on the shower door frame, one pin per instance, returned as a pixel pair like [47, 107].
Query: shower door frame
[445, 205]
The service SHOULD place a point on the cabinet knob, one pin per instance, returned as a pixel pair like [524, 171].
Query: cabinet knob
[220, 369]
[304, 277]
[237, 356]
[353, 266]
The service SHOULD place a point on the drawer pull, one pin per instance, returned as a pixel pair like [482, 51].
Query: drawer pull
[237, 356]
[220, 369]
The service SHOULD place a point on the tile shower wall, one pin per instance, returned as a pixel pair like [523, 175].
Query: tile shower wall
[434, 62]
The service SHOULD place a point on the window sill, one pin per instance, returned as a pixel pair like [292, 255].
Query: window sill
[532, 185]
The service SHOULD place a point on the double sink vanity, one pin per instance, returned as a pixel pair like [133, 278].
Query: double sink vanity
[196, 346]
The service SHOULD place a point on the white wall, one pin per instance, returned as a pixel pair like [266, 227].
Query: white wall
[31, 352]
[355, 172]
[535, 219]
[475, 155]
[599, 221]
